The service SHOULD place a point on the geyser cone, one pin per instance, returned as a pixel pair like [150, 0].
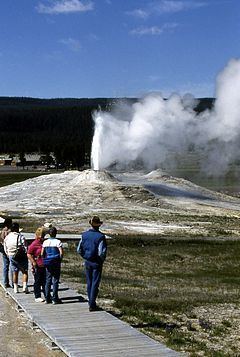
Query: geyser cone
[95, 176]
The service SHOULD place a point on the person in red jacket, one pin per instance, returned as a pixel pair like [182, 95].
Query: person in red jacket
[38, 269]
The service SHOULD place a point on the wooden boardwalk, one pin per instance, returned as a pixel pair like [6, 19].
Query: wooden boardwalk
[78, 332]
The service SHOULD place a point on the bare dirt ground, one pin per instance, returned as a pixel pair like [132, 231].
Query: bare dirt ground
[16, 336]
[128, 203]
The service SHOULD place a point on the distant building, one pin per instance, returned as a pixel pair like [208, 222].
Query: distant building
[31, 159]
[5, 160]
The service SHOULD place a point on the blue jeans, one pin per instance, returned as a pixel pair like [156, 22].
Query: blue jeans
[93, 275]
[6, 264]
[52, 278]
[39, 281]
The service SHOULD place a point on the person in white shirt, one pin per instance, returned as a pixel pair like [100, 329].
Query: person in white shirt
[11, 243]
[52, 254]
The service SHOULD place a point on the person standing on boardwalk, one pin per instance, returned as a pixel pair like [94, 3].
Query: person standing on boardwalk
[14, 241]
[52, 254]
[38, 269]
[7, 224]
[93, 249]
[46, 228]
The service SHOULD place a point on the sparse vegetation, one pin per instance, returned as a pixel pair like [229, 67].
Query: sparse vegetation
[181, 292]
[7, 178]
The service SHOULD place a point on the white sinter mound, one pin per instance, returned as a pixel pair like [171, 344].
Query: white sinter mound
[68, 199]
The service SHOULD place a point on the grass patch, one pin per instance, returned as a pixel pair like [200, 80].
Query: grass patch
[8, 178]
[153, 281]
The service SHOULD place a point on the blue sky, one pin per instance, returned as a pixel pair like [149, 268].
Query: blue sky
[115, 48]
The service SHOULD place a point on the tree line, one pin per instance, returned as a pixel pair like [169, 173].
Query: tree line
[61, 126]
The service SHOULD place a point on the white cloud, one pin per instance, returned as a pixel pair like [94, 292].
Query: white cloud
[140, 13]
[171, 6]
[153, 30]
[72, 44]
[65, 7]
[170, 26]
[166, 6]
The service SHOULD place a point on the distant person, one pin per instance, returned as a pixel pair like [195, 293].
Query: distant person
[52, 253]
[12, 242]
[93, 248]
[7, 224]
[38, 269]
[46, 228]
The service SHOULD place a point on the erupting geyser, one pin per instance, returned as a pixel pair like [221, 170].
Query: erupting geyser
[148, 130]
[96, 144]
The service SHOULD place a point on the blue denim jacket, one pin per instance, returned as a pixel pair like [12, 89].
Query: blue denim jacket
[93, 247]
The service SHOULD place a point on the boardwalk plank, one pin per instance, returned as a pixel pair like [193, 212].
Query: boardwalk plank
[121, 352]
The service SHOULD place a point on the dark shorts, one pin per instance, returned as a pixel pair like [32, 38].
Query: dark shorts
[18, 266]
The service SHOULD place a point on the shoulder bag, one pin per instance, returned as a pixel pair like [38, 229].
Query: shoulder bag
[21, 253]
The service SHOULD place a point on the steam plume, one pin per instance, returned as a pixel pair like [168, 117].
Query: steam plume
[148, 130]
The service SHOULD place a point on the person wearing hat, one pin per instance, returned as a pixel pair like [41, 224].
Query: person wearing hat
[38, 269]
[93, 249]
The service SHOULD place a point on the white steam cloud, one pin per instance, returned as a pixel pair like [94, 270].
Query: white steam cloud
[149, 130]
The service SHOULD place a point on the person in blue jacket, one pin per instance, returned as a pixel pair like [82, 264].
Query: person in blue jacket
[93, 249]
[52, 254]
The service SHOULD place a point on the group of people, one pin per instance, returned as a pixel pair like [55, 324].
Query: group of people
[45, 254]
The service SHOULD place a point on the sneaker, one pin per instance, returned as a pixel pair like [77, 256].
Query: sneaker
[39, 299]
[95, 308]
[48, 302]
[7, 286]
[56, 302]
[26, 291]
[16, 289]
